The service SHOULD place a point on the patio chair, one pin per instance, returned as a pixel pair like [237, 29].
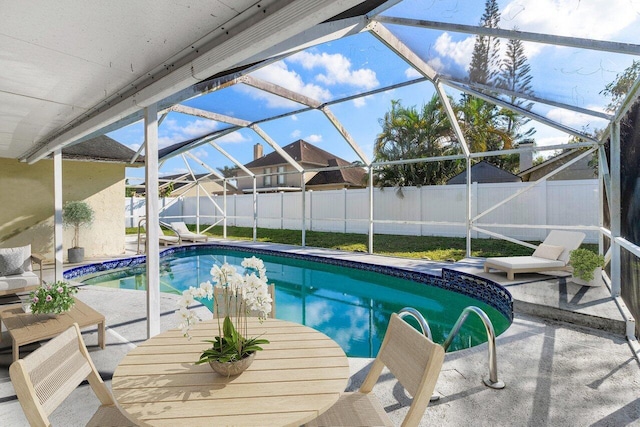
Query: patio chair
[412, 358]
[164, 239]
[47, 376]
[186, 234]
[16, 271]
[551, 255]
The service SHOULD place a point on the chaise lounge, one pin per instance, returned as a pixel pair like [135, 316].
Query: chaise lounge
[186, 234]
[16, 272]
[551, 255]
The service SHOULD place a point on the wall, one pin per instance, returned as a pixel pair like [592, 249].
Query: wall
[27, 205]
[437, 210]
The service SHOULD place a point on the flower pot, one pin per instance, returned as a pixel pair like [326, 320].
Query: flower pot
[229, 369]
[75, 255]
[596, 281]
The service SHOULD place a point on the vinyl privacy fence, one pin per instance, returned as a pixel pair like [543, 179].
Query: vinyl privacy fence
[421, 211]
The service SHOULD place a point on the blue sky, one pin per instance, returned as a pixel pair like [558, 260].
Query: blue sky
[361, 63]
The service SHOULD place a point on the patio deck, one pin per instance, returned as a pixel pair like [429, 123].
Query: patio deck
[556, 373]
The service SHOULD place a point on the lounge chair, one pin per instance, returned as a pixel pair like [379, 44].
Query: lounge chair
[185, 234]
[164, 239]
[551, 255]
[412, 358]
[16, 273]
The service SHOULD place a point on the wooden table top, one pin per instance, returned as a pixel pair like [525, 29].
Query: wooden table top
[299, 374]
[28, 327]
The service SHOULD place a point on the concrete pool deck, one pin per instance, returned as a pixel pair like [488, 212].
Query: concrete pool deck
[556, 373]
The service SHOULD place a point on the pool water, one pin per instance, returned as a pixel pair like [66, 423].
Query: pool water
[351, 306]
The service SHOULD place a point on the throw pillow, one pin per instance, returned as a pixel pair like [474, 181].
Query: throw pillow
[14, 260]
[551, 252]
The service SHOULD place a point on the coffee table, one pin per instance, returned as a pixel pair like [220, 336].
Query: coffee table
[26, 328]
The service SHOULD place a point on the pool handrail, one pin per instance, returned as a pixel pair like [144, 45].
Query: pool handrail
[492, 381]
[410, 311]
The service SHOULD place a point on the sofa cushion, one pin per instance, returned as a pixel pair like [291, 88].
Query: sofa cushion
[15, 260]
[19, 282]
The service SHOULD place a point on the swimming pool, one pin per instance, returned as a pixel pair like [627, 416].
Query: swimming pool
[349, 301]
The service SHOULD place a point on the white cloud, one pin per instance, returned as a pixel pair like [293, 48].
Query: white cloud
[569, 118]
[199, 127]
[314, 138]
[233, 138]
[135, 146]
[412, 73]
[296, 134]
[460, 51]
[360, 102]
[337, 69]
[172, 131]
[595, 19]
[436, 64]
[294, 118]
[200, 153]
[280, 74]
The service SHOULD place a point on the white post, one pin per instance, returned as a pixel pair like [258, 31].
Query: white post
[303, 187]
[224, 204]
[282, 210]
[57, 216]
[152, 226]
[345, 211]
[255, 210]
[468, 211]
[615, 209]
[370, 209]
[197, 208]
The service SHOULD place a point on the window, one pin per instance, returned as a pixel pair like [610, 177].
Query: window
[281, 175]
[266, 179]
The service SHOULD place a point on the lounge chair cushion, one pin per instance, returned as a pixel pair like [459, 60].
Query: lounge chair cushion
[15, 261]
[524, 262]
[551, 252]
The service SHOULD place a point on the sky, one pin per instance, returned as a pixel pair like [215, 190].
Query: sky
[361, 63]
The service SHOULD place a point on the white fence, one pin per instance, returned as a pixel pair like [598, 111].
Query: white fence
[426, 211]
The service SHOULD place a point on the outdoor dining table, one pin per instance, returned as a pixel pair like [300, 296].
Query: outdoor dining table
[299, 374]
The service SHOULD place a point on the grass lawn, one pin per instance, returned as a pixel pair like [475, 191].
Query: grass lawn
[425, 247]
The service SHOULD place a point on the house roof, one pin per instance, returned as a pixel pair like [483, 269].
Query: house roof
[101, 149]
[484, 172]
[302, 152]
[351, 176]
[560, 159]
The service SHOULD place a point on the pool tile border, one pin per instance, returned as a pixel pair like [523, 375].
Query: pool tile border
[467, 284]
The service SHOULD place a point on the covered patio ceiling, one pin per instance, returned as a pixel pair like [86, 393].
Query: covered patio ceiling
[70, 73]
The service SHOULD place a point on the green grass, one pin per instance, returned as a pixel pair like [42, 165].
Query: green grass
[424, 247]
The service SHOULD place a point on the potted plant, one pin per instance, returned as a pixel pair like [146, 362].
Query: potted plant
[587, 267]
[235, 297]
[76, 214]
[51, 298]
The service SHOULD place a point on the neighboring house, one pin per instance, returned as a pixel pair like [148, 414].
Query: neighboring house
[183, 185]
[275, 174]
[579, 170]
[93, 171]
[484, 172]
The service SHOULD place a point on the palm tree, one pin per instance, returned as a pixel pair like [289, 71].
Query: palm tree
[409, 133]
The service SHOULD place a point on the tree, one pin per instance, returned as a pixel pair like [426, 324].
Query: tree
[515, 76]
[619, 88]
[484, 66]
[409, 133]
[229, 172]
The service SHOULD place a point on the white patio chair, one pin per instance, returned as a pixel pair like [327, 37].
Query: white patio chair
[186, 234]
[47, 376]
[412, 358]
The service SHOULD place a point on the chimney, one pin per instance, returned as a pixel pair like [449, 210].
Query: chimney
[526, 157]
[257, 151]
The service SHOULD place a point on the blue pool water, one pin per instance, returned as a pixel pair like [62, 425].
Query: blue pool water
[350, 304]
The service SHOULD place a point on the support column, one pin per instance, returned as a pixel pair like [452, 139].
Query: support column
[152, 225]
[370, 209]
[197, 209]
[303, 187]
[224, 203]
[615, 204]
[57, 215]
[255, 210]
[468, 211]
